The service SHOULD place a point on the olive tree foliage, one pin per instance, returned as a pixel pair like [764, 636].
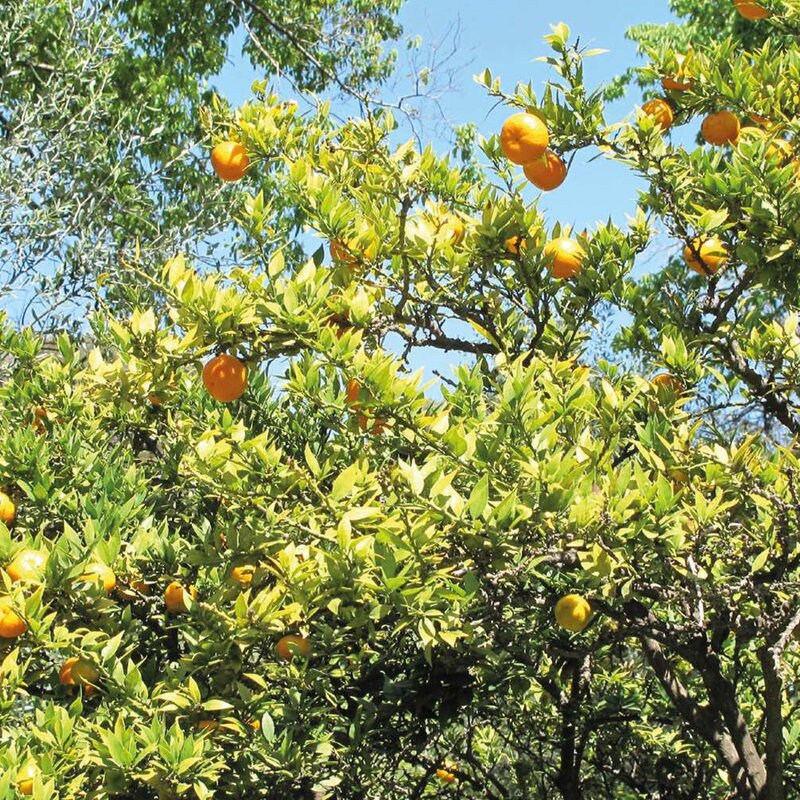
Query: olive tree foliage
[419, 540]
[100, 127]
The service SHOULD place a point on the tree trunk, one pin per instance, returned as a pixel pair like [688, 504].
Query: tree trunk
[773, 708]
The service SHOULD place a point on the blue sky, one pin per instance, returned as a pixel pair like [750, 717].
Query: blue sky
[506, 36]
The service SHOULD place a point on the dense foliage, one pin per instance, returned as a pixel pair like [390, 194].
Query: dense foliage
[420, 541]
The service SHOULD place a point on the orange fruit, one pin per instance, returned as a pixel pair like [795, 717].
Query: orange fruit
[291, 645]
[154, 399]
[573, 612]
[566, 257]
[225, 378]
[660, 111]
[378, 424]
[208, 725]
[175, 597]
[515, 245]
[676, 83]
[341, 252]
[39, 419]
[230, 161]
[11, 624]
[712, 255]
[341, 322]
[78, 672]
[750, 10]
[524, 138]
[546, 173]
[352, 393]
[8, 511]
[243, 575]
[100, 574]
[720, 128]
[445, 775]
[255, 724]
[25, 778]
[666, 381]
[760, 120]
[27, 565]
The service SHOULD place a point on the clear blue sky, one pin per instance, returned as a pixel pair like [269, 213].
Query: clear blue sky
[506, 35]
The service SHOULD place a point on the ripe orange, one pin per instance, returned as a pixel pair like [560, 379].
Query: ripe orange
[78, 672]
[679, 82]
[175, 597]
[341, 323]
[712, 255]
[208, 725]
[243, 575]
[546, 173]
[25, 778]
[567, 257]
[660, 111]
[666, 381]
[445, 775]
[524, 138]
[27, 565]
[573, 612]
[230, 161]
[225, 378]
[352, 393]
[760, 120]
[100, 574]
[516, 245]
[39, 419]
[291, 645]
[341, 252]
[720, 128]
[8, 511]
[750, 10]
[11, 624]
[378, 424]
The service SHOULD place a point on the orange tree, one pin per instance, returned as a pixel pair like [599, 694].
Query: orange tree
[248, 553]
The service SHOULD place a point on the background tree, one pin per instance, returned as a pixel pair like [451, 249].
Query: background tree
[101, 127]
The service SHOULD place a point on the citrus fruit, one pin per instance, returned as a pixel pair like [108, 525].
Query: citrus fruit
[546, 173]
[208, 725]
[27, 565]
[77, 672]
[291, 645]
[377, 427]
[523, 138]
[100, 574]
[455, 227]
[515, 245]
[243, 575]
[340, 251]
[8, 511]
[230, 160]
[39, 420]
[175, 597]
[721, 127]
[445, 775]
[25, 778]
[573, 612]
[11, 624]
[750, 10]
[660, 111]
[666, 381]
[566, 257]
[225, 378]
[352, 393]
[712, 254]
